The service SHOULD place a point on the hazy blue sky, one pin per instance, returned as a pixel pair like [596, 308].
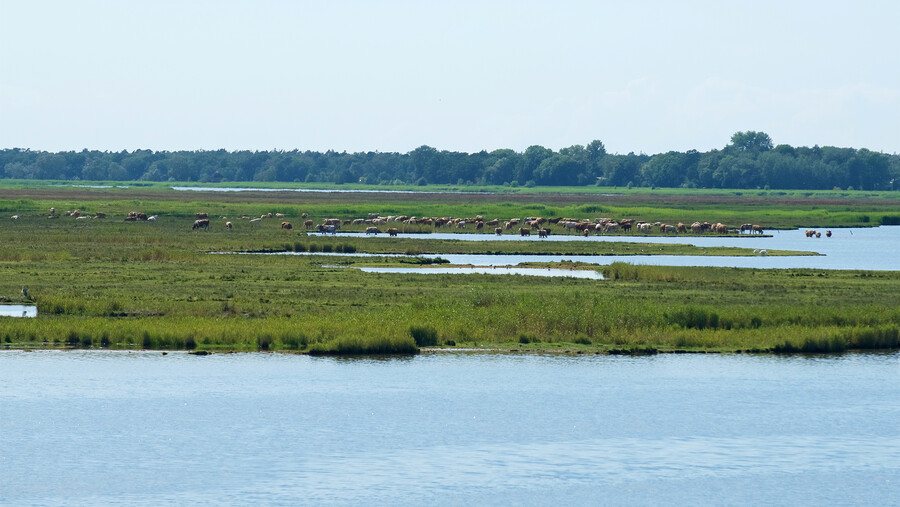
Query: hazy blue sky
[642, 76]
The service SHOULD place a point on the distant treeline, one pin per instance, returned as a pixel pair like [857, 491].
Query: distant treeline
[750, 160]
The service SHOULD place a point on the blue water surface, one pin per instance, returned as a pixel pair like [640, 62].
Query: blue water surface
[143, 428]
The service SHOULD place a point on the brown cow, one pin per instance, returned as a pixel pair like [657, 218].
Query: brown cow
[757, 229]
[308, 224]
[498, 231]
[201, 224]
[372, 230]
[543, 233]
[524, 231]
[286, 226]
[810, 233]
[393, 231]
[827, 234]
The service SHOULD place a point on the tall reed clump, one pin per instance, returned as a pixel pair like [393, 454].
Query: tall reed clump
[822, 343]
[882, 337]
[424, 336]
[840, 340]
[358, 346]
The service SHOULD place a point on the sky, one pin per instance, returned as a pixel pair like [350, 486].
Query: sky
[641, 76]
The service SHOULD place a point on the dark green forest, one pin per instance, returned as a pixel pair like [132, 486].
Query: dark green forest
[749, 161]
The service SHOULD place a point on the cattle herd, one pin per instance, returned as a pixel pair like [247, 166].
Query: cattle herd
[392, 224]
[543, 227]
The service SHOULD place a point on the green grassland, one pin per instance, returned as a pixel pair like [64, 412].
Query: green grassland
[107, 283]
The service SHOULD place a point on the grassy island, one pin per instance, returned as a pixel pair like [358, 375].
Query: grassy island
[108, 282]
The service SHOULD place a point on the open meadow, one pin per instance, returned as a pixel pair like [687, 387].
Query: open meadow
[154, 284]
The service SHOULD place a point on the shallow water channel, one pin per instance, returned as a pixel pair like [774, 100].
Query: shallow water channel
[142, 428]
[18, 311]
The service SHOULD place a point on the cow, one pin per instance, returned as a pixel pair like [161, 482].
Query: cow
[668, 228]
[286, 226]
[818, 234]
[611, 227]
[372, 230]
[304, 215]
[759, 230]
[681, 227]
[393, 231]
[827, 234]
[308, 224]
[722, 228]
[498, 231]
[543, 233]
[524, 231]
[746, 227]
[326, 229]
[52, 212]
[810, 233]
[228, 226]
[201, 224]
[200, 215]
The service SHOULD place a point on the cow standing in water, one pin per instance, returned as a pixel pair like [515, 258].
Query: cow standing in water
[201, 224]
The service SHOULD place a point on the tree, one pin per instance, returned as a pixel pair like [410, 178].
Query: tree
[750, 142]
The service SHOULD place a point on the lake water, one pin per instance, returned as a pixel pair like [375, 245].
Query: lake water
[142, 428]
[874, 248]
[495, 270]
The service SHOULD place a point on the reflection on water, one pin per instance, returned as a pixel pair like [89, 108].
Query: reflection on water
[140, 428]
